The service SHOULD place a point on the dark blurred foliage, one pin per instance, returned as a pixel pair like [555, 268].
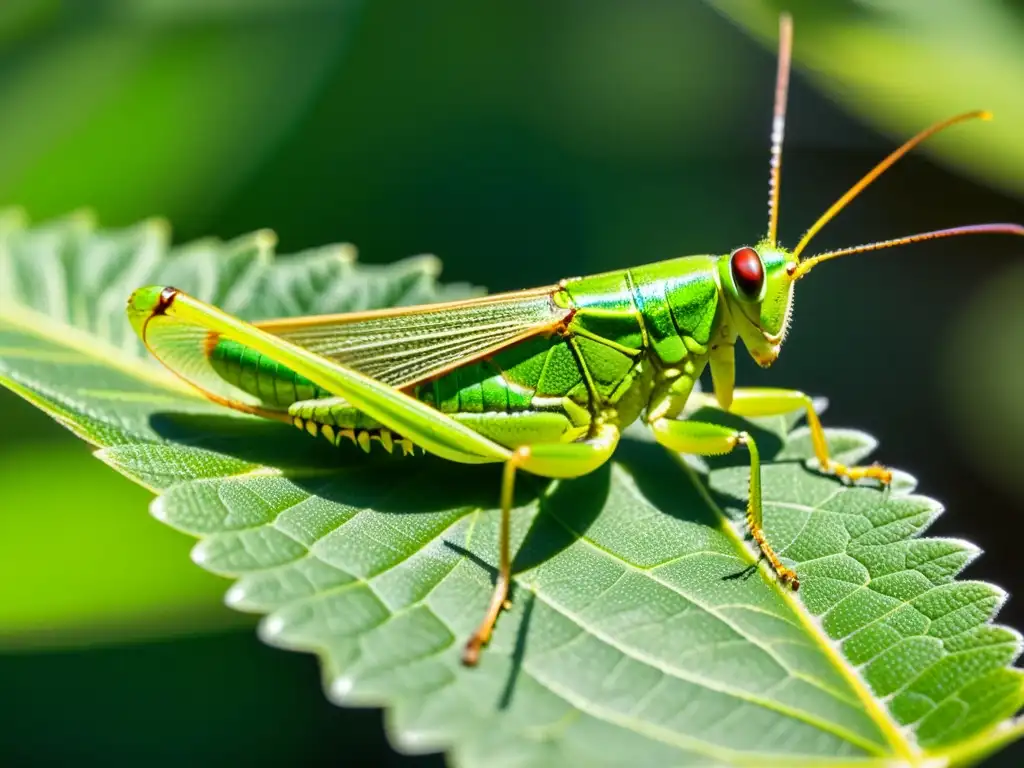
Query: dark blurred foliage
[521, 143]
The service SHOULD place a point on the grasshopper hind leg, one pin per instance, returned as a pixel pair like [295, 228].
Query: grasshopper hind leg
[547, 460]
[336, 419]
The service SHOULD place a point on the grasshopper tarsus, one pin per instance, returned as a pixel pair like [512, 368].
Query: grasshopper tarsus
[471, 651]
[852, 474]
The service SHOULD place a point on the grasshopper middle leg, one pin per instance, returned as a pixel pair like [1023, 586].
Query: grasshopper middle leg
[715, 440]
[712, 440]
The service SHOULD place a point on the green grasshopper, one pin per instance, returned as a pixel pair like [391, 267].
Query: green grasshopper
[541, 380]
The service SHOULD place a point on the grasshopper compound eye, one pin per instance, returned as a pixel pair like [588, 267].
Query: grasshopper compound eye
[747, 272]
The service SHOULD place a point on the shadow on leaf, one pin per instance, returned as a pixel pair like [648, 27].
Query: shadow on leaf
[345, 474]
[252, 439]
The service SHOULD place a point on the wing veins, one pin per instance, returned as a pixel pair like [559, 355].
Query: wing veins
[403, 347]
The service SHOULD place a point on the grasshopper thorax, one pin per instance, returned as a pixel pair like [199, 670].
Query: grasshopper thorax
[757, 290]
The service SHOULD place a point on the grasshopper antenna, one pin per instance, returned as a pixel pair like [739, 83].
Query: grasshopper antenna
[779, 122]
[877, 171]
[971, 229]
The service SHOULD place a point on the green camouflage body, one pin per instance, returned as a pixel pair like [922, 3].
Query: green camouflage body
[629, 335]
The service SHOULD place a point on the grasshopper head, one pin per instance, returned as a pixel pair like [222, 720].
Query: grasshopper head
[757, 283]
[758, 288]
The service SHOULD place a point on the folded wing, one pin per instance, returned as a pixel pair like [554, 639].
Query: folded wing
[406, 345]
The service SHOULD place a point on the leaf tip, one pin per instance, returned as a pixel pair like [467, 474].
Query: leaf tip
[265, 240]
[345, 252]
[970, 550]
[84, 217]
[199, 552]
[235, 597]
[13, 218]
[158, 509]
[159, 227]
[339, 689]
[271, 628]
[431, 264]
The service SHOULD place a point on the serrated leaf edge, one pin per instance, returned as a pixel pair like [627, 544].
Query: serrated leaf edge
[909, 754]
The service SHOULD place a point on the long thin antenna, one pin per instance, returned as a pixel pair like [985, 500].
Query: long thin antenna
[779, 122]
[881, 168]
[972, 229]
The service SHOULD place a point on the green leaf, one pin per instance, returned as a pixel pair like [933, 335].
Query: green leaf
[905, 65]
[211, 88]
[971, 400]
[639, 631]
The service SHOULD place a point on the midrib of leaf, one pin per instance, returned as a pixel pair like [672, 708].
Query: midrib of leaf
[90, 346]
[901, 746]
[664, 735]
[682, 674]
[895, 736]
[905, 751]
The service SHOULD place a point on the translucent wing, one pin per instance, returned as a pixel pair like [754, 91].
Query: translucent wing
[410, 344]
[247, 368]
[189, 344]
[219, 355]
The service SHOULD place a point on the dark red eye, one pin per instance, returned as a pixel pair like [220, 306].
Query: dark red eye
[747, 272]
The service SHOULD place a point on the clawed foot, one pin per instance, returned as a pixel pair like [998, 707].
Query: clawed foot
[480, 638]
[873, 472]
[471, 653]
[787, 577]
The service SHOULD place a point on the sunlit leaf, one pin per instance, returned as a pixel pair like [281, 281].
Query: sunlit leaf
[640, 632]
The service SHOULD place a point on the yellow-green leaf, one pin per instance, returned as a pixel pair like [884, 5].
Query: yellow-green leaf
[640, 634]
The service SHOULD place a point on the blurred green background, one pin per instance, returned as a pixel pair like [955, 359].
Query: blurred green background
[521, 143]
